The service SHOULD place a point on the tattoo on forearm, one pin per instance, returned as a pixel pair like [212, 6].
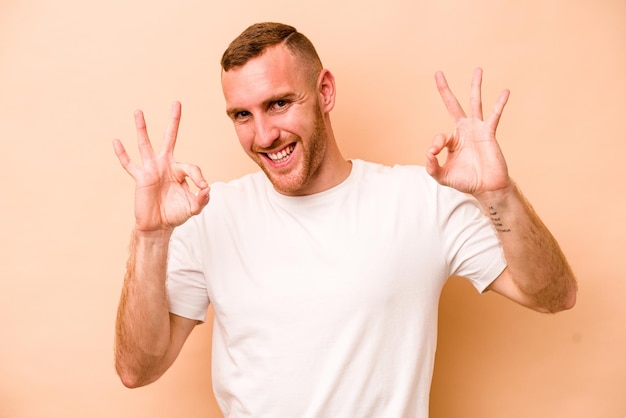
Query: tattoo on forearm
[497, 221]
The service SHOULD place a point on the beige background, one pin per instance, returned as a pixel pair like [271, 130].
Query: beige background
[72, 72]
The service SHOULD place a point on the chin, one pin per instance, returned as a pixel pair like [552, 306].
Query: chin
[288, 184]
[287, 187]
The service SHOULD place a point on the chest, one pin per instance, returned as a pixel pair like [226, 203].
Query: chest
[340, 258]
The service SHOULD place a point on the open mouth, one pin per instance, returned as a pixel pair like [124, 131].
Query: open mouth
[282, 155]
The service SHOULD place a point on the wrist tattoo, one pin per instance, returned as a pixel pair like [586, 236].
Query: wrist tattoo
[496, 220]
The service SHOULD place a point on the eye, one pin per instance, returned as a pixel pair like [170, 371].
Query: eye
[279, 104]
[241, 115]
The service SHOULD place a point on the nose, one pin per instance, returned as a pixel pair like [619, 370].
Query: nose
[266, 131]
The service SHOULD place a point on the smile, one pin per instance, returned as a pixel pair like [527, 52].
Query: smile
[282, 155]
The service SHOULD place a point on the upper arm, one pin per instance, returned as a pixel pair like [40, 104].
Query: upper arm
[506, 286]
[180, 329]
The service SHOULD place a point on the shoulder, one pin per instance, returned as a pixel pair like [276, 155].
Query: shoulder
[409, 185]
[250, 183]
[414, 177]
[230, 200]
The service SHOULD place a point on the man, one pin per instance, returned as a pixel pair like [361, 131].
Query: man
[324, 274]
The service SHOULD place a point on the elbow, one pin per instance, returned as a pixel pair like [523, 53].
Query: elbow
[131, 382]
[570, 294]
[131, 378]
[569, 300]
[561, 305]
[135, 371]
[565, 300]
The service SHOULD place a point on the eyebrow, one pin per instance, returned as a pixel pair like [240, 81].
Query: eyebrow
[233, 111]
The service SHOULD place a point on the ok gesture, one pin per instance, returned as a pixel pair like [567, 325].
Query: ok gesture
[163, 198]
[474, 163]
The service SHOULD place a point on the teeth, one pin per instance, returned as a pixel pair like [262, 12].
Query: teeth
[279, 157]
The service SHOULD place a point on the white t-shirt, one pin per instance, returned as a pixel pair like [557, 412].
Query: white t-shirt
[326, 305]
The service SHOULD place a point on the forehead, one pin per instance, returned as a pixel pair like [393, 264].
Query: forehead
[276, 71]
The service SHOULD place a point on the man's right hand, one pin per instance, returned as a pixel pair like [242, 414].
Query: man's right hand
[163, 198]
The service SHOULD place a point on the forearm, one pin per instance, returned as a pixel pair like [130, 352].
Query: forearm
[143, 324]
[537, 265]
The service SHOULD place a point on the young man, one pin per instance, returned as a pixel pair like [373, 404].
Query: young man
[324, 274]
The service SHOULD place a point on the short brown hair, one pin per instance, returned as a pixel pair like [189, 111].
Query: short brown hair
[253, 41]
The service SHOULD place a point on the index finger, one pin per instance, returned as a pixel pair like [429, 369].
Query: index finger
[452, 104]
[172, 129]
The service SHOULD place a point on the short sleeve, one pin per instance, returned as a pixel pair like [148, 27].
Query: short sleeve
[471, 243]
[186, 284]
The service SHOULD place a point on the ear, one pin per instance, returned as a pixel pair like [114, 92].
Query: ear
[326, 90]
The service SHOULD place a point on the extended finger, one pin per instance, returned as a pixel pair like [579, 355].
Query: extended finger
[143, 142]
[123, 157]
[476, 105]
[172, 129]
[498, 108]
[452, 104]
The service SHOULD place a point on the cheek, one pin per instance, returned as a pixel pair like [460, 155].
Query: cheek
[298, 122]
[245, 136]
